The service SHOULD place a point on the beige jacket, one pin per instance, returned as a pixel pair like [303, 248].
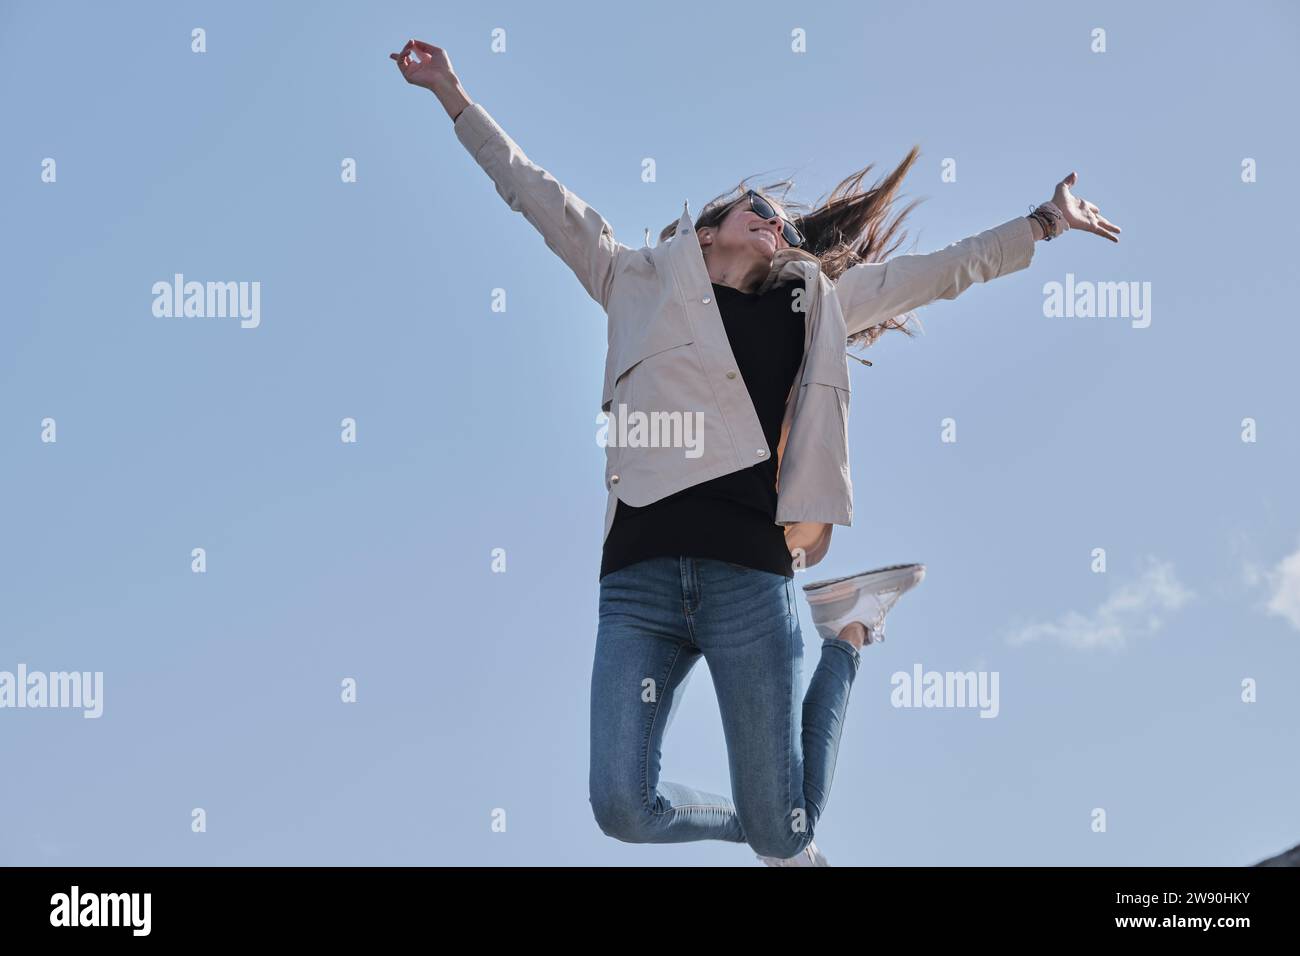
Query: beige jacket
[668, 351]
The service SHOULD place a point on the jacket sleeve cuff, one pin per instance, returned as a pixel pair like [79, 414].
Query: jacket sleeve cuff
[1016, 240]
[474, 127]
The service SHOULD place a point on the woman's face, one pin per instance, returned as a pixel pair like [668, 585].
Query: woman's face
[743, 234]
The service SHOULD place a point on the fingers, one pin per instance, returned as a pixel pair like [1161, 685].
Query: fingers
[401, 57]
[426, 47]
[1101, 225]
[409, 58]
[1109, 228]
[1096, 229]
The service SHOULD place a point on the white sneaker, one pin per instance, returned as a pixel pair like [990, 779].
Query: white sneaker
[865, 598]
[811, 856]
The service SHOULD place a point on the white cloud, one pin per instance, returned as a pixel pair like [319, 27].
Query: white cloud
[1133, 610]
[1284, 582]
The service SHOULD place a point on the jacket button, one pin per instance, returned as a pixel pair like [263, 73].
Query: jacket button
[705, 300]
[731, 374]
[760, 453]
[613, 479]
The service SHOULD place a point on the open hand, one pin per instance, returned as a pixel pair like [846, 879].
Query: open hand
[1081, 214]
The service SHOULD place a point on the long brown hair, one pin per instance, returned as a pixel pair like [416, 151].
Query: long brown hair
[850, 226]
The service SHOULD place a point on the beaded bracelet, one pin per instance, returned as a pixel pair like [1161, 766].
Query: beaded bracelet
[1059, 225]
[1043, 220]
[1050, 218]
[1037, 217]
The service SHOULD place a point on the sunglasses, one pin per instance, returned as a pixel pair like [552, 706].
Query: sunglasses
[764, 210]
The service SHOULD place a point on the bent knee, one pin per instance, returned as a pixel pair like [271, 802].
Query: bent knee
[777, 838]
[622, 816]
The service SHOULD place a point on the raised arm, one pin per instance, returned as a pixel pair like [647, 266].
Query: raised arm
[875, 292]
[574, 231]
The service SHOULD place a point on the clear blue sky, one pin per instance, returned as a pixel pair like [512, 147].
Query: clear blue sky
[477, 429]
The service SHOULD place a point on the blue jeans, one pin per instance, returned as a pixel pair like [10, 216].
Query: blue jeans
[658, 617]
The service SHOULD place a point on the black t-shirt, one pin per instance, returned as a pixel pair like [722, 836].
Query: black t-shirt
[731, 517]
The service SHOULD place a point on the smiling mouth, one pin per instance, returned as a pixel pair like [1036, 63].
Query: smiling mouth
[771, 238]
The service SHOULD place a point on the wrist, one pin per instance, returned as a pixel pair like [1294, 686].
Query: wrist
[1050, 219]
[450, 94]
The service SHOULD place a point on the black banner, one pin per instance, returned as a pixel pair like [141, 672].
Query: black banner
[206, 905]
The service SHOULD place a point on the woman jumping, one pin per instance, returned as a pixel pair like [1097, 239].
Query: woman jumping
[727, 465]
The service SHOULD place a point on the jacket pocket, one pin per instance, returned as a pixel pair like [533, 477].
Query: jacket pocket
[824, 411]
[627, 357]
[828, 369]
[625, 366]
[833, 381]
[654, 377]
